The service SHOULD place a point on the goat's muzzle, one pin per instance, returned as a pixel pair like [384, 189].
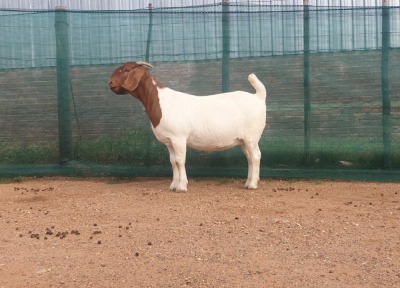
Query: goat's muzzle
[116, 88]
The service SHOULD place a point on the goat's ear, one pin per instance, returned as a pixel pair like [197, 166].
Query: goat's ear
[132, 80]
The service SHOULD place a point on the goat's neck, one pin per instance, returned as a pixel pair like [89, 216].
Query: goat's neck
[147, 93]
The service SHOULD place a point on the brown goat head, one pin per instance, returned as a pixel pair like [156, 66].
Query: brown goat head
[133, 78]
[125, 79]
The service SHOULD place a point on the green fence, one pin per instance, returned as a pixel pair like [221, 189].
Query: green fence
[332, 75]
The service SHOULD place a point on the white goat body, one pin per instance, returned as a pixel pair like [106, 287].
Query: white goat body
[208, 123]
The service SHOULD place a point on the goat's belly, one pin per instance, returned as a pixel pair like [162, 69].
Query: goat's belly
[212, 144]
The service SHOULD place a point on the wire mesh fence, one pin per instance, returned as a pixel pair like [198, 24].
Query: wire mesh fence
[189, 34]
[332, 75]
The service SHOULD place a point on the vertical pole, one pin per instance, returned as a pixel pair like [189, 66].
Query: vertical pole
[64, 91]
[220, 158]
[226, 46]
[149, 32]
[306, 83]
[385, 74]
[149, 135]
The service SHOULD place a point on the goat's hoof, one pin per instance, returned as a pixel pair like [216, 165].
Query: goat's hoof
[181, 188]
[178, 188]
[251, 186]
[174, 186]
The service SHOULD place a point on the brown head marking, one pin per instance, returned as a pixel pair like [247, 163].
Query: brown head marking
[133, 78]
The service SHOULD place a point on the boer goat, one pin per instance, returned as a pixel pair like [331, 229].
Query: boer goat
[208, 123]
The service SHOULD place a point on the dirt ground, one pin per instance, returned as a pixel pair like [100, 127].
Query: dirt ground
[68, 232]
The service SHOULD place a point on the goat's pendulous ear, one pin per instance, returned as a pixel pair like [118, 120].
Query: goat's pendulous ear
[132, 81]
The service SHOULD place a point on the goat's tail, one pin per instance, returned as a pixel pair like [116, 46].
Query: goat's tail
[260, 88]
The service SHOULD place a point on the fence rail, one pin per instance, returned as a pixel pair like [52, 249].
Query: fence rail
[144, 4]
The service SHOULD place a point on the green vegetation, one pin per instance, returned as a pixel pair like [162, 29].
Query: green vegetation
[140, 149]
[10, 180]
[134, 148]
[27, 154]
[327, 152]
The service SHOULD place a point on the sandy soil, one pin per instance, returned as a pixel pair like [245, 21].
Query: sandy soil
[61, 232]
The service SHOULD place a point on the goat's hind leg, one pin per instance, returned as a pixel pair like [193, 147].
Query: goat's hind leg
[253, 155]
[249, 165]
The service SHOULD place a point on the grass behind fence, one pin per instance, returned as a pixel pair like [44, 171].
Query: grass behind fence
[136, 150]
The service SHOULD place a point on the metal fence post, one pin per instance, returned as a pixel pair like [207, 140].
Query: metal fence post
[226, 46]
[149, 135]
[64, 91]
[149, 33]
[385, 74]
[306, 79]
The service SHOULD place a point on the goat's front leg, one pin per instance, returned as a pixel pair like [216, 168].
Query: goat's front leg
[177, 154]
[175, 171]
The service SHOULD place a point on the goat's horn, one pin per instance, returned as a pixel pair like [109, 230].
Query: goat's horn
[148, 65]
